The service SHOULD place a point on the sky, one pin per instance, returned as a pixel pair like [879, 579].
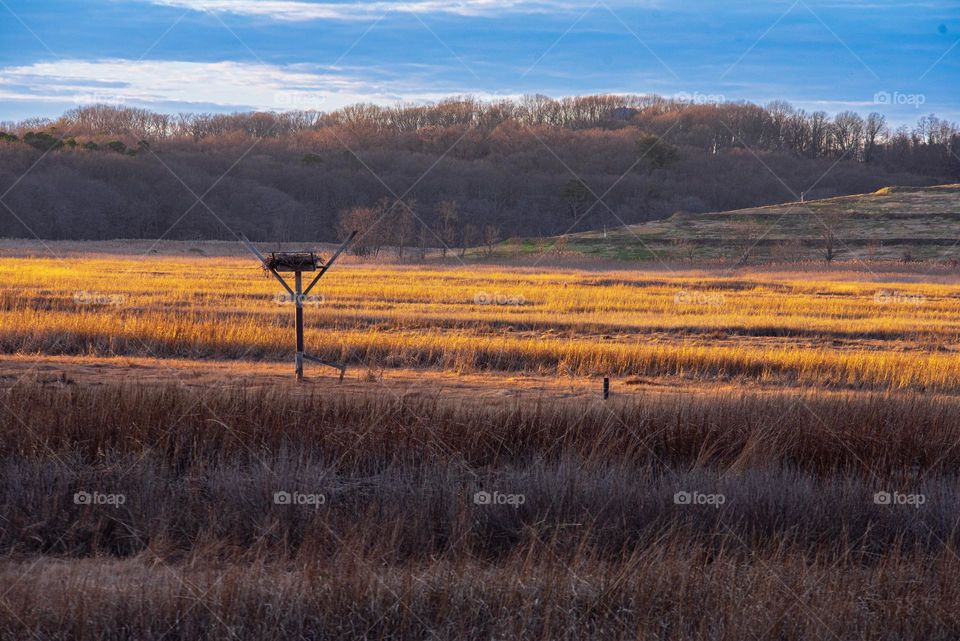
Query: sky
[899, 58]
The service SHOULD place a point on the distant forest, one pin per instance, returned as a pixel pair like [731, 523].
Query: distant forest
[474, 172]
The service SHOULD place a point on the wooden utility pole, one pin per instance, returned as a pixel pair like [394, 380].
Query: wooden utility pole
[298, 289]
[299, 262]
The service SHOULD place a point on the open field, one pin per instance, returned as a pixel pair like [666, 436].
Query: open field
[331, 320]
[913, 223]
[728, 489]
[841, 329]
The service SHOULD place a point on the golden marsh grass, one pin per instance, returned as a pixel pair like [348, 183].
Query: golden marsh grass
[835, 330]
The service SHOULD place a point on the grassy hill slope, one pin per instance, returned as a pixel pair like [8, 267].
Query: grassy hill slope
[894, 223]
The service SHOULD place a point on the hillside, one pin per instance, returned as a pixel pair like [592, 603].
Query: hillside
[469, 171]
[894, 223]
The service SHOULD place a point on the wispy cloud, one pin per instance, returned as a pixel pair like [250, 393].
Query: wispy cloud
[224, 85]
[299, 10]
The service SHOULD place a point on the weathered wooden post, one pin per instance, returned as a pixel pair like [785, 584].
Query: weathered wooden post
[606, 388]
[299, 262]
[298, 298]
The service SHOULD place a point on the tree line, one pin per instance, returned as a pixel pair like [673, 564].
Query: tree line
[469, 172]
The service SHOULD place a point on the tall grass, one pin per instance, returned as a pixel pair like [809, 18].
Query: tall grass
[595, 539]
[832, 332]
[399, 548]
[667, 592]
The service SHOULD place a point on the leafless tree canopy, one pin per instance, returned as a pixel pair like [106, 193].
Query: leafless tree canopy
[531, 167]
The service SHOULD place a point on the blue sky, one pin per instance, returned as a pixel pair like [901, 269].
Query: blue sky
[900, 58]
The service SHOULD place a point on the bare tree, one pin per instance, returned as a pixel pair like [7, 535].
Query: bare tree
[447, 221]
[829, 223]
[819, 134]
[874, 128]
[491, 236]
[368, 221]
[468, 238]
[403, 225]
[745, 237]
[848, 134]
[576, 195]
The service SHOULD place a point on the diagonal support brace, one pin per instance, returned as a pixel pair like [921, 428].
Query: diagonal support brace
[333, 364]
[336, 255]
[263, 259]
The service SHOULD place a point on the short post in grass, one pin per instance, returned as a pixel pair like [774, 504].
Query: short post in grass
[299, 262]
[606, 388]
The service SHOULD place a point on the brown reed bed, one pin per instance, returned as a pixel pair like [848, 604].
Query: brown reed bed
[400, 547]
